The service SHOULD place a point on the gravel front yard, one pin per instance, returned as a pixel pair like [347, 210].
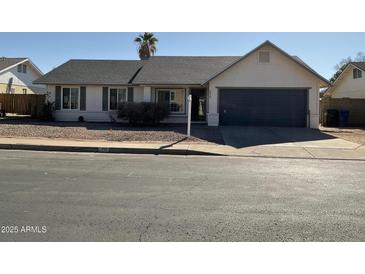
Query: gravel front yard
[117, 132]
[105, 131]
[356, 135]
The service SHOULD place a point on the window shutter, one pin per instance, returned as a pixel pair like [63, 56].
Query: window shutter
[105, 98]
[130, 94]
[58, 98]
[82, 98]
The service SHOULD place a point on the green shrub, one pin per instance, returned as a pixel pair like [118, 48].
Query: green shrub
[144, 113]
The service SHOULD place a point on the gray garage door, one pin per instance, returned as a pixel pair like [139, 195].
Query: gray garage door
[263, 107]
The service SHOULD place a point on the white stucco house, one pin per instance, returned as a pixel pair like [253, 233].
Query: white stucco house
[17, 76]
[350, 83]
[265, 87]
[347, 93]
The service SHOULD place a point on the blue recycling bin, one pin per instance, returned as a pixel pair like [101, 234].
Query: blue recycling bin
[344, 117]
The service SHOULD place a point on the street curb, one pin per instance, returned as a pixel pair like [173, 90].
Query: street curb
[291, 158]
[153, 151]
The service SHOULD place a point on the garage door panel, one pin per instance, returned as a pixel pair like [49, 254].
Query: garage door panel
[263, 107]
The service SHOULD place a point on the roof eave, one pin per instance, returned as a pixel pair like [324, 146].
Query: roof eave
[81, 84]
[14, 65]
[355, 65]
[21, 62]
[165, 84]
[37, 69]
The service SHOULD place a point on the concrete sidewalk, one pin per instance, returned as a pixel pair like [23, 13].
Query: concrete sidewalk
[307, 150]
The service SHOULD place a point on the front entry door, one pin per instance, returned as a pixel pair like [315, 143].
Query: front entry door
[198, 105]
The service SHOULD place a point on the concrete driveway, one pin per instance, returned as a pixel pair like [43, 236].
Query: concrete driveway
[241, 137]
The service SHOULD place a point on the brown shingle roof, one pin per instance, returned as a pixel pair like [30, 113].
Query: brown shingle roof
[96, 72]
[360, 65]
[156, 70]
[181, 69]
[7, 62]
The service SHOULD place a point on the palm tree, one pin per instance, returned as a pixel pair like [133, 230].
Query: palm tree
[146, 45]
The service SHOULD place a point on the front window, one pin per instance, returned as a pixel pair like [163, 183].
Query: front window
[174, 97]
[70, 98]
[22, 68]
[74, 98]
[117, 96]
[357, 73]
[24, 91]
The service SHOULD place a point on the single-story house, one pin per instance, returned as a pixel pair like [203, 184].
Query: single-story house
[265, 87]
[17, 76]
[348, 93]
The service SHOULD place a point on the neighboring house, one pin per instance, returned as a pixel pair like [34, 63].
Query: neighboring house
[17, 76]
[350, 83]
[265, 87]
[348, 93]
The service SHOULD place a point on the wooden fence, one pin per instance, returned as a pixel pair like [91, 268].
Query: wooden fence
[23, 104]
[355, 106]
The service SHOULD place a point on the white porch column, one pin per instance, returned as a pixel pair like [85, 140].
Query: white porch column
[147, 94]
[212, 115]
[313, 104]
[187, 90]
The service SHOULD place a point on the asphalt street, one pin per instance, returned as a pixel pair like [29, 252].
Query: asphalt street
[48, 196]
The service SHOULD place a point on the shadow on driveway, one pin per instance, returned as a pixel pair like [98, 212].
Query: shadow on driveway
[240, 137]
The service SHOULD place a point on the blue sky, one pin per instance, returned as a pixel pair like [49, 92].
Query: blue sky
[48, 50]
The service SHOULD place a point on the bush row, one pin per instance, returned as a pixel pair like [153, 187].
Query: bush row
[144, 113]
